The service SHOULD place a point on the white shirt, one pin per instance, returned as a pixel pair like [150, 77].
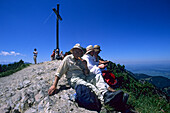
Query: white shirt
[35, 53]
[91, 64]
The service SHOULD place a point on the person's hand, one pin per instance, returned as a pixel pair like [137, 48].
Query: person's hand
[105, 65]
[102, 66]
[52, 90]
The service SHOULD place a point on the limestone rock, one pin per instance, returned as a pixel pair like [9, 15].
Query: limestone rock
[26, 83]
[26, 91]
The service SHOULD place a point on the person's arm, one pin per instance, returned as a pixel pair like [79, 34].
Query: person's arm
[102, 66]
[62, 69]
[54, 86]
[103, 62]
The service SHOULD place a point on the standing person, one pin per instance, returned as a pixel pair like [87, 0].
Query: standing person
[53, 55]
[76, 73]
[35, 55]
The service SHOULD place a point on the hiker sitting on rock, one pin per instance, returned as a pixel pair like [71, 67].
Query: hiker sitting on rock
[102, 63]
[61, 55]
[92, 65]
[97, 68]
[77, 73]
[53, 55]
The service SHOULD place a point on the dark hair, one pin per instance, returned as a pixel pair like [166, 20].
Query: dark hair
[35, 49]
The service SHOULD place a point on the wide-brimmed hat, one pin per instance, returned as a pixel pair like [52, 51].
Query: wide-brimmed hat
[89, 49]
[76, 46]
[97, 48]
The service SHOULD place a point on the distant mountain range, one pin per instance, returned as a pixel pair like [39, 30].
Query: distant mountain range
[160, 82]
[156, 74]
[150, 69]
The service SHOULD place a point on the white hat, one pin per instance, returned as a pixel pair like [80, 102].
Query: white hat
[89, 49]
[78, 47]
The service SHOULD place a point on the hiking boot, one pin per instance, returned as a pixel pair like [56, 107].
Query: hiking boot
[122, 105]
[125, 98]
[113, 97]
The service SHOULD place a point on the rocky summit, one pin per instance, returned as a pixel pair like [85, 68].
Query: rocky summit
[26, 91]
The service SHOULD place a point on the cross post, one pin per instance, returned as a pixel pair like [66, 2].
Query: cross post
[57, 30]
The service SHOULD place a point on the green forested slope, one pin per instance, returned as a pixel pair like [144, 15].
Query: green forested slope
[144, 97]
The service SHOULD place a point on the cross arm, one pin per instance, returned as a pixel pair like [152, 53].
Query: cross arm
[55, 11]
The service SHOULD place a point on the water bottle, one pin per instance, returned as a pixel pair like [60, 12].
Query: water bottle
[72, 97]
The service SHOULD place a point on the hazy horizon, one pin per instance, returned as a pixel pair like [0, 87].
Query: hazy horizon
[150, 69]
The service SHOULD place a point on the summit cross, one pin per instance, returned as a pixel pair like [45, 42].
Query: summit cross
[57, 28]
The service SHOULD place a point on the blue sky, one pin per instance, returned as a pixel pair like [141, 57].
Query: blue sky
[128, 31]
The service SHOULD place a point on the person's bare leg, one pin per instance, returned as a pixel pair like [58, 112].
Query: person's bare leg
[111, 89]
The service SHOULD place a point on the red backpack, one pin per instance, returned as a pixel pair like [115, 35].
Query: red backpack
[109, 78]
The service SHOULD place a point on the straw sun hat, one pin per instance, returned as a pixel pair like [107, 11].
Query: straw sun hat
[76, 46]
[97, 48]
[89, 49]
